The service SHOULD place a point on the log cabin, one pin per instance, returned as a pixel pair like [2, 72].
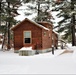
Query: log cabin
[37, 35]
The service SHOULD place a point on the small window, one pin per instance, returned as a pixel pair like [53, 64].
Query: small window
[27, 37]
[44, 33]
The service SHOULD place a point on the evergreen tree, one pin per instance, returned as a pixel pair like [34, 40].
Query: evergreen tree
[67, 9]
[42, 8]
[8, 11]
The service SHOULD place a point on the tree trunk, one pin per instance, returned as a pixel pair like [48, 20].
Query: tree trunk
[73, 30]
[4, 36]
[8, 31]
[38, 11]
[73, 23]
[0, 13]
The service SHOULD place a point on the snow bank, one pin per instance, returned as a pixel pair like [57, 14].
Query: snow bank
[26, 51]
[72, 48]
[37, 64]
[69, 44]
[49, 54]
[26, 48]
[74, 54]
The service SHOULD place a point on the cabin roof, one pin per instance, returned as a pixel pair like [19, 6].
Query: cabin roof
[26, 19]
[44, 22]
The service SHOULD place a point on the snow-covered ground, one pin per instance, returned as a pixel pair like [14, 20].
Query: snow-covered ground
[12, 63]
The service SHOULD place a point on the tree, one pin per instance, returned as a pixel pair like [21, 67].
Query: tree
[42, 8]
[0, 13]
[67, 10]
[8, 11]
[10, 18]
[73, 22]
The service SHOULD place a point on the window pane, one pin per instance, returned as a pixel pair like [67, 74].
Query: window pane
[27, 40]
[27, 34]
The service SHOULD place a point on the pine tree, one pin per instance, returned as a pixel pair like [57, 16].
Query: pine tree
[67, 9]
[8, 11]
[42, 8]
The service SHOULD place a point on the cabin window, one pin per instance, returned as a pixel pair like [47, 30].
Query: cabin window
[44, 33]
[27, 36]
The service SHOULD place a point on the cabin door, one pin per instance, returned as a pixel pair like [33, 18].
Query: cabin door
[27, 37]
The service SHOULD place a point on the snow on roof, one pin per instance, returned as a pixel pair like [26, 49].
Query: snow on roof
[31, 22]
[41, 26]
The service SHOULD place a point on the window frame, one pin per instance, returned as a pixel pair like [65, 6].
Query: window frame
[25, 37]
